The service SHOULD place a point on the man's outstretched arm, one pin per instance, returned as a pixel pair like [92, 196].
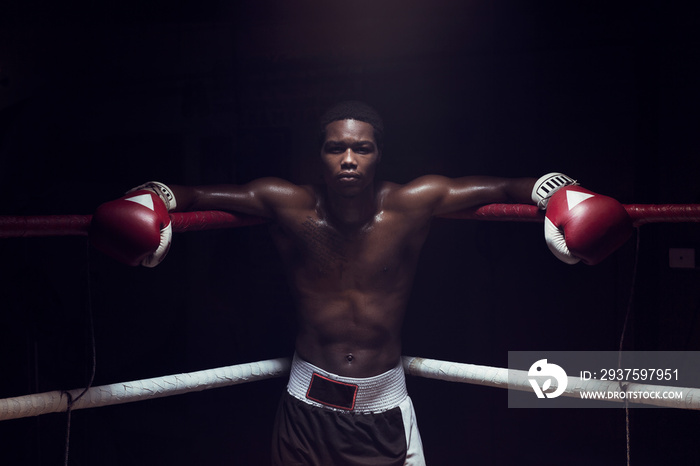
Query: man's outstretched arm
[442, 195]
[136, 229]
[580, 225]
[261, 197]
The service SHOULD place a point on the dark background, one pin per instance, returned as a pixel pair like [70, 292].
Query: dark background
[97, 99]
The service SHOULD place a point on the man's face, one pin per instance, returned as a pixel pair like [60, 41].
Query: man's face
[349, 156]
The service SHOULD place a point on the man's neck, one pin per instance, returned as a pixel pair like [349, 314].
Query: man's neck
[352, 211]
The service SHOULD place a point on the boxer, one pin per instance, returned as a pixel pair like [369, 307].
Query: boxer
[350, 247]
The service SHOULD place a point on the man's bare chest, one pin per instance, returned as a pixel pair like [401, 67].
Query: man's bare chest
[376, 247]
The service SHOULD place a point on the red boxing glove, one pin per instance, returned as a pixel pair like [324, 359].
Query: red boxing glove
[134, 229]
[582, 225]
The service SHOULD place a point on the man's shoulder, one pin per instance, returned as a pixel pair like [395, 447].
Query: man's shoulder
[419, 189]
[282, 193]
[422, 182]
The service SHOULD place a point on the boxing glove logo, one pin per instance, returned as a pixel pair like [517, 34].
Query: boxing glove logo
[545, 372]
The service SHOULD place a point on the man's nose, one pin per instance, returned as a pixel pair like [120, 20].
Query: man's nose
[348, 159]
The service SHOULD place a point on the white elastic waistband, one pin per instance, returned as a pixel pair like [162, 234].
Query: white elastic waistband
[374, 394]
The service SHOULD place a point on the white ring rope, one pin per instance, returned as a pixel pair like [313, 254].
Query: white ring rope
[158, 387]
[146, 389]
[518, 380]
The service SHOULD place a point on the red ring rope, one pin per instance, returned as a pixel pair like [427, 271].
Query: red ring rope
[78, 225]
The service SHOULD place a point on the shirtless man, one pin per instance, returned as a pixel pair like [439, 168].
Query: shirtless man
[350, 248]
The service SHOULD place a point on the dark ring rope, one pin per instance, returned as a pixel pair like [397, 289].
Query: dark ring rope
[79, 225]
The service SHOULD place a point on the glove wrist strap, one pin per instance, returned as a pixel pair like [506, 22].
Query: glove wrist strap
[162, 191]
[548, 185]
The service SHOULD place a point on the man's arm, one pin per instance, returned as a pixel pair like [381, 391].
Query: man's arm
[579, 224]
[442, 195]
[136, 229]
[261, 197]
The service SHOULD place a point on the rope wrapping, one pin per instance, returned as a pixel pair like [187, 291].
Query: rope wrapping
[212, 219]
[72, 225]
[519, 380]
[500, 213]
[44, 225]
[663, 213]
[139, 390]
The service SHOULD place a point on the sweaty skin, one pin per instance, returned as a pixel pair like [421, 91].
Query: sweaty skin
[351, 246]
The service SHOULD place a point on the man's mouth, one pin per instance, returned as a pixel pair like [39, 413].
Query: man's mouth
[348, 176]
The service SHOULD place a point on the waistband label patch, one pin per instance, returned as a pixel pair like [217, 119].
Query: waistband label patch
[332, 393]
